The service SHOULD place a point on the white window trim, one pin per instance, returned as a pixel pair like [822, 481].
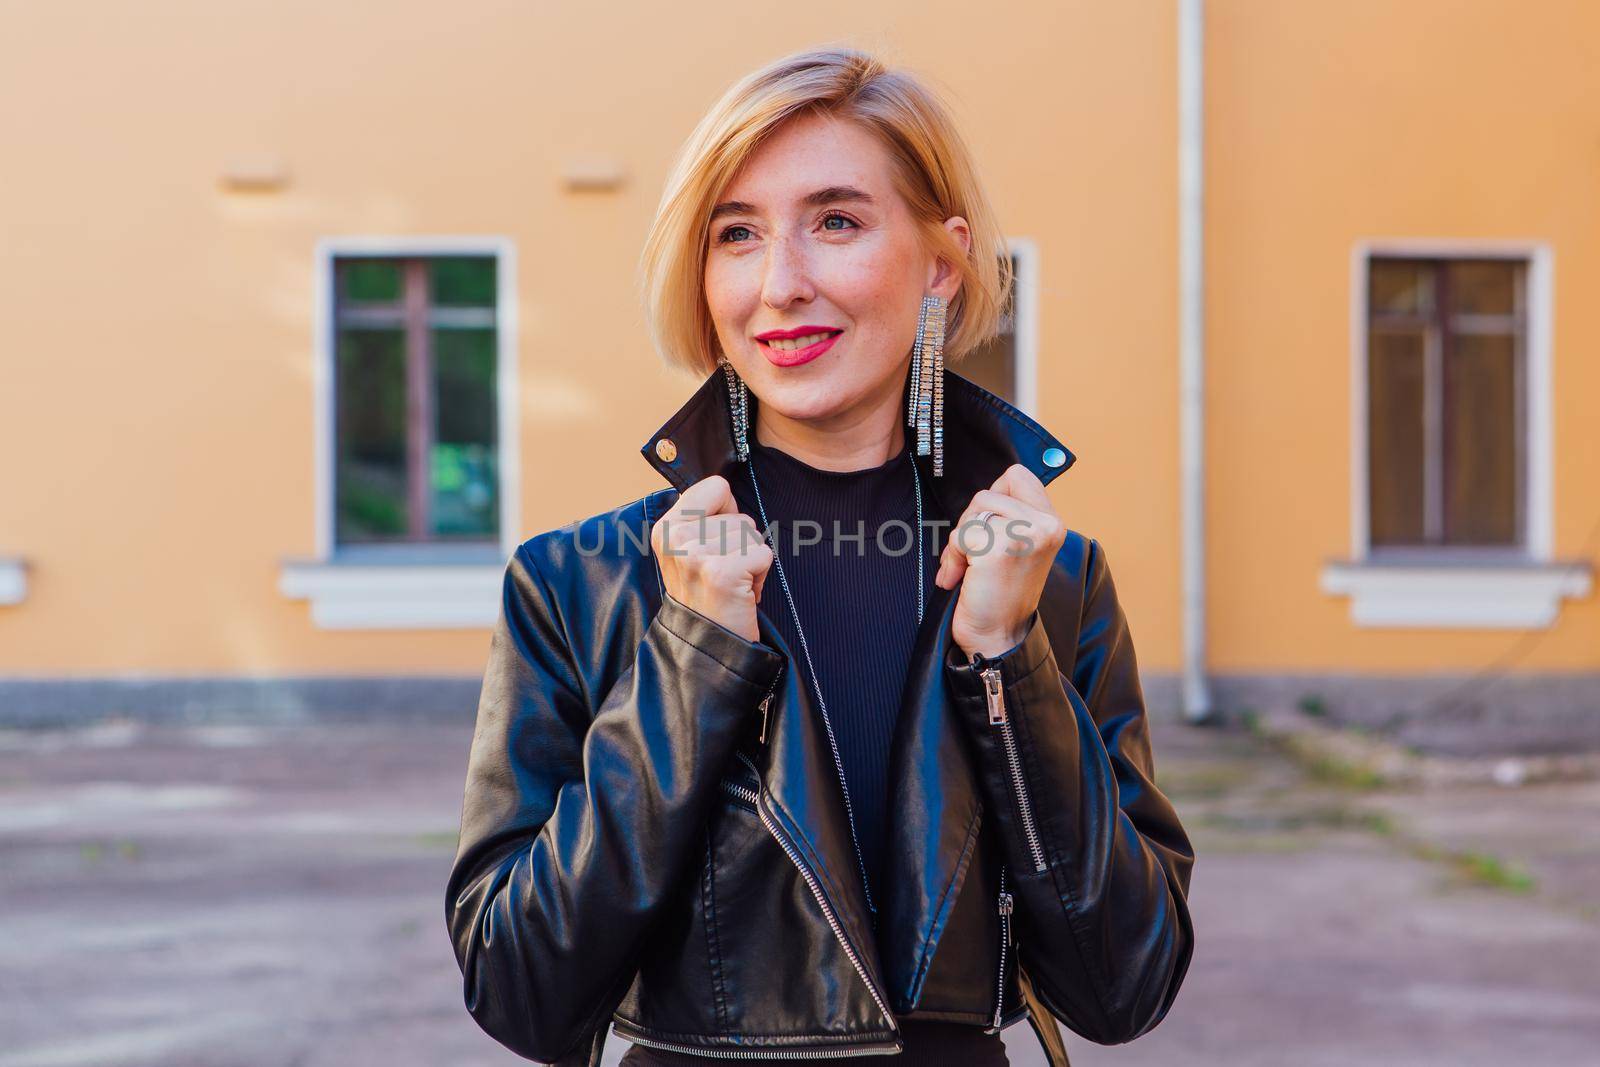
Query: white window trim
[1025, 324]
[415, 595]
[1456, 596]
[347, 596]
[13, 581]
[1520, 592]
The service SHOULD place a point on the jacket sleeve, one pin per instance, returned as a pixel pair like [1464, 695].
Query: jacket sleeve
[1098, 862]
[578, 820]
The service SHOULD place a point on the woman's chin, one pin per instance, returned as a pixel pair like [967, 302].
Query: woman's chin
[801, 401]
[821, 397]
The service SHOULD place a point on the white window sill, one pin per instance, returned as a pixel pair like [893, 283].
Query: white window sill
[1456, 594]
[398, 593]
[13, 581]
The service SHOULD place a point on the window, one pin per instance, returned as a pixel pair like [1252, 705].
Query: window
[415, 409]
[1451, 511]
[1446, 388]
[1004, 364]
[415, 477]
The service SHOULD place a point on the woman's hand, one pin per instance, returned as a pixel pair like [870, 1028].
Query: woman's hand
[1000, 561]
[713, 558]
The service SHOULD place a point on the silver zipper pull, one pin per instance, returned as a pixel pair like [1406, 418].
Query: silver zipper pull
[766, 703]
[997, 698]
[1005, 903]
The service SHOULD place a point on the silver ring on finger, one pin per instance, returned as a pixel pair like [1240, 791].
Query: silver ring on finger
[985, 516]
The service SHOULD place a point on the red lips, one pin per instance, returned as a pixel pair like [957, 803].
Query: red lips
[796, 356]
[798, 331]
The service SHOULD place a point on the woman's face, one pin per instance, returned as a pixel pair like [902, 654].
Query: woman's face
[812, 238]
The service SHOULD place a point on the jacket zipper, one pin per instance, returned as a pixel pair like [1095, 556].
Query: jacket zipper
[628, 1033]
[1004, 907]
[989, 671]
[822, 901]
[743, 792]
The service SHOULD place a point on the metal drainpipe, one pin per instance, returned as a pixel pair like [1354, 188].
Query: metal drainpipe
[1191, 351]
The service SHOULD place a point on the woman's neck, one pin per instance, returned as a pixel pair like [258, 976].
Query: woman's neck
[868, 435]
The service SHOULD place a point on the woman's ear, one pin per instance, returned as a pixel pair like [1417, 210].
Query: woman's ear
[944, 280]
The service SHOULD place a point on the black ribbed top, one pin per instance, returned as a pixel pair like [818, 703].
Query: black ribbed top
[856, 594]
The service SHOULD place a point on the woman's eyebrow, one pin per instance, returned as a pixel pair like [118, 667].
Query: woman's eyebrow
[831, 194]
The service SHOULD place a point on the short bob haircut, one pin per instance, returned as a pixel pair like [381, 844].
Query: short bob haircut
[934, 173]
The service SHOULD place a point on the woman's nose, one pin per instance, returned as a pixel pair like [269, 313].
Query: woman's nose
[787, 278]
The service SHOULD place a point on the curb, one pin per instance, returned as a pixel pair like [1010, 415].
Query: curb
[1371, 761]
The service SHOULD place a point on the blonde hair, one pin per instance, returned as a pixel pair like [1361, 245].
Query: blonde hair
[933, 168]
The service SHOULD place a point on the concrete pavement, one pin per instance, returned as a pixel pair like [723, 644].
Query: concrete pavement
[232, 895]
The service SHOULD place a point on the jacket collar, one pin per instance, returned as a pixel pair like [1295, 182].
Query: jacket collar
[936, 807]
[983, 435]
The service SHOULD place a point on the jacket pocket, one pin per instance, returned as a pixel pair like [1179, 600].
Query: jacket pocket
[785, 976]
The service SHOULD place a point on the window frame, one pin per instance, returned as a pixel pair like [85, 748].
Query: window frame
[1459, 587]
[1024, 253]
[406, 586]
[1024, 256]
[502, 250]
[1535, 503]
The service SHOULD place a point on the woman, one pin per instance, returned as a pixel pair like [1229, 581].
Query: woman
[836, 746]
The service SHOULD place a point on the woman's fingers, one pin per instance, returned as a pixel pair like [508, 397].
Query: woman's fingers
[706, 519]
[967, 537]
[952, 565]
[1008, 521]
[1022, 484]
[712, 557]
[1019, 517]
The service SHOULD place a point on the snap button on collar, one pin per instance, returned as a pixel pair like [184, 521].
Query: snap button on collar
[666, 450]
[1054, 457]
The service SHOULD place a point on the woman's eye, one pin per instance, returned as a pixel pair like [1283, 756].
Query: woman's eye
[732, 234]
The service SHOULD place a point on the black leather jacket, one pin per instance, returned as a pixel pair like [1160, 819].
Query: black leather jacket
[633, 853]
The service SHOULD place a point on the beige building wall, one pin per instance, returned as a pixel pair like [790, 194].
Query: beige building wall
[158, 446]
[1332, 124]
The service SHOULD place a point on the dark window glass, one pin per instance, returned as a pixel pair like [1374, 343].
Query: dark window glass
[462, 281]
[1398, 285]
[1445, 383]
[1480, 440]
[1396, 440]
[371, 416]
[416, 400]
[1482, 286]
[465, 479]
[369, 280]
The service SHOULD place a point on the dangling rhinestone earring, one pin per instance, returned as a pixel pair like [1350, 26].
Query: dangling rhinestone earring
[925, 400]
[739, 408]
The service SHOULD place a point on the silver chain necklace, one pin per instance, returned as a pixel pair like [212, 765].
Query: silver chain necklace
[805, 648]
